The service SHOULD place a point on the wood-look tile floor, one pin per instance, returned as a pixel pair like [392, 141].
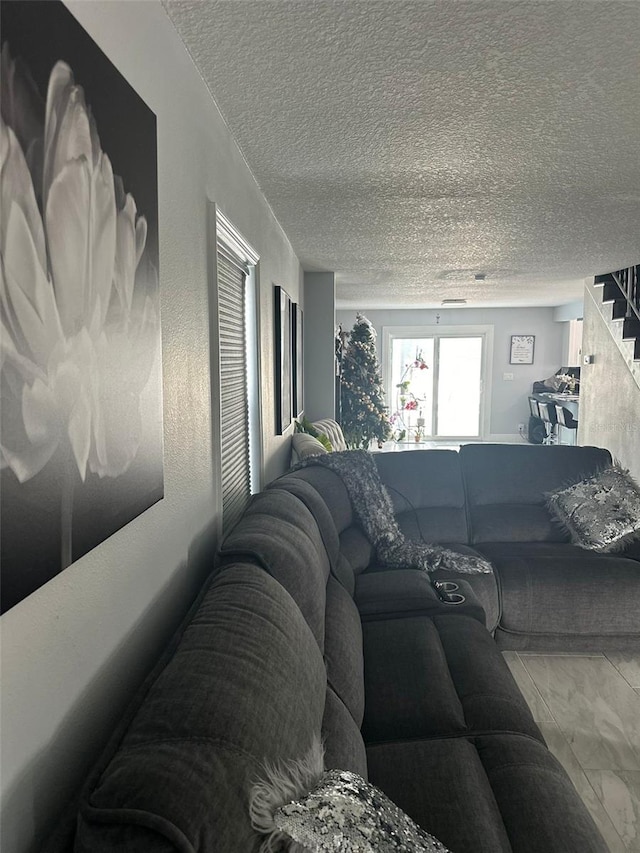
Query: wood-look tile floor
[588, 709]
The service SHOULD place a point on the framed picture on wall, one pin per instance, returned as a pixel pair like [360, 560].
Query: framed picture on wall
[81, 383]
[522, 349]
[283, 384]
[297, 360]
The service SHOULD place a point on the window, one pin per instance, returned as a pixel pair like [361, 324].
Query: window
[435, 381]
[239, 421]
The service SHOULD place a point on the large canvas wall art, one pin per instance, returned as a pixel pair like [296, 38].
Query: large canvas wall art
[80, 369]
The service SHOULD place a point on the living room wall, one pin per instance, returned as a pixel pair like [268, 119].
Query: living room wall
[509, 405]
[610, 396]
[73, 651]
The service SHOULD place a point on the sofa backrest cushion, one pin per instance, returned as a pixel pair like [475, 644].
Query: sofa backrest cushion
[314, 502]
[281, 535]
[427, 492]
[332, 490]
[354, 545]
[246, 683]
[279, 531]
[343, 743]
[343, 649]
[506, 486]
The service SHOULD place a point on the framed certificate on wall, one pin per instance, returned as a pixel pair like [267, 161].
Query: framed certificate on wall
[522, 348]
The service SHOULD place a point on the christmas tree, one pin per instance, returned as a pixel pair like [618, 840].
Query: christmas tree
[363, 412]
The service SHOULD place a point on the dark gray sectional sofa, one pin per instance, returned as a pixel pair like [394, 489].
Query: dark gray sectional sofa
[298, 633]
[546, 594]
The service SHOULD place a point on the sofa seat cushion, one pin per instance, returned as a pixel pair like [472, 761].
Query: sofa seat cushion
[566, 597]
[497, 551]
[431, 677]
[498, 793]
[245, 682]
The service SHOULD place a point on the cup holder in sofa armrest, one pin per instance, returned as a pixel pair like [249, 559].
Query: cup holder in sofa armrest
[457, 595]
[445, 587]
[452, 598]
[449, 592]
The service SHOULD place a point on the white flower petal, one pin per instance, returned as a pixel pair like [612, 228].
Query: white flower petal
[16, 187]
[144, 342]
[66, 380]
[27, 369]
[67, 220]
[102, 237]
[126, 250]
[58, 92]
[79, 431]
[141, 237]
[117, 422]
[74, 133]
[120, 432]
[26, 465]
[26, 292]
[41, 413]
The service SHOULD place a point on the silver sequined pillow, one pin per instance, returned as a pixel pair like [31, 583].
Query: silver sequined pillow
[601, 512]
[345, 813]
[301, 808]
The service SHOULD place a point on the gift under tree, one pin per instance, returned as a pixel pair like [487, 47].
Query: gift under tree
[363, 412]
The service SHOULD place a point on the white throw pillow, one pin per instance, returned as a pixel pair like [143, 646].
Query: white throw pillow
[304, 445]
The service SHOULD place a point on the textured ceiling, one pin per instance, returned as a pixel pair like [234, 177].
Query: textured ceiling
[410, 145]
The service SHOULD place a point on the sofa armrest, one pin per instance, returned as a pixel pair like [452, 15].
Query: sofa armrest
[398, 593]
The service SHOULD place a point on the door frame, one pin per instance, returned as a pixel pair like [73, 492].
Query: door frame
[389, 333]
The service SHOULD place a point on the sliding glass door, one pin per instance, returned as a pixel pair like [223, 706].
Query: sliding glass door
[435, 381]
[458, 376]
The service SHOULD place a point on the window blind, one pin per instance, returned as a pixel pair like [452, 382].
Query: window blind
[234, 410]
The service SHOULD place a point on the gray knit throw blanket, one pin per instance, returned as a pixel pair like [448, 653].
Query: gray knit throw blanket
[374, 510]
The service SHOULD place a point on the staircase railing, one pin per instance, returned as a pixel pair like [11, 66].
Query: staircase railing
[622, 289]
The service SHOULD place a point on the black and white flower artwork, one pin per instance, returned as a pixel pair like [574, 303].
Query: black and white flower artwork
[80, 369]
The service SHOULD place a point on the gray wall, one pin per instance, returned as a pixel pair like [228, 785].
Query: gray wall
[609, 395]
[319, 333]
[74, 649]
[509, 405]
